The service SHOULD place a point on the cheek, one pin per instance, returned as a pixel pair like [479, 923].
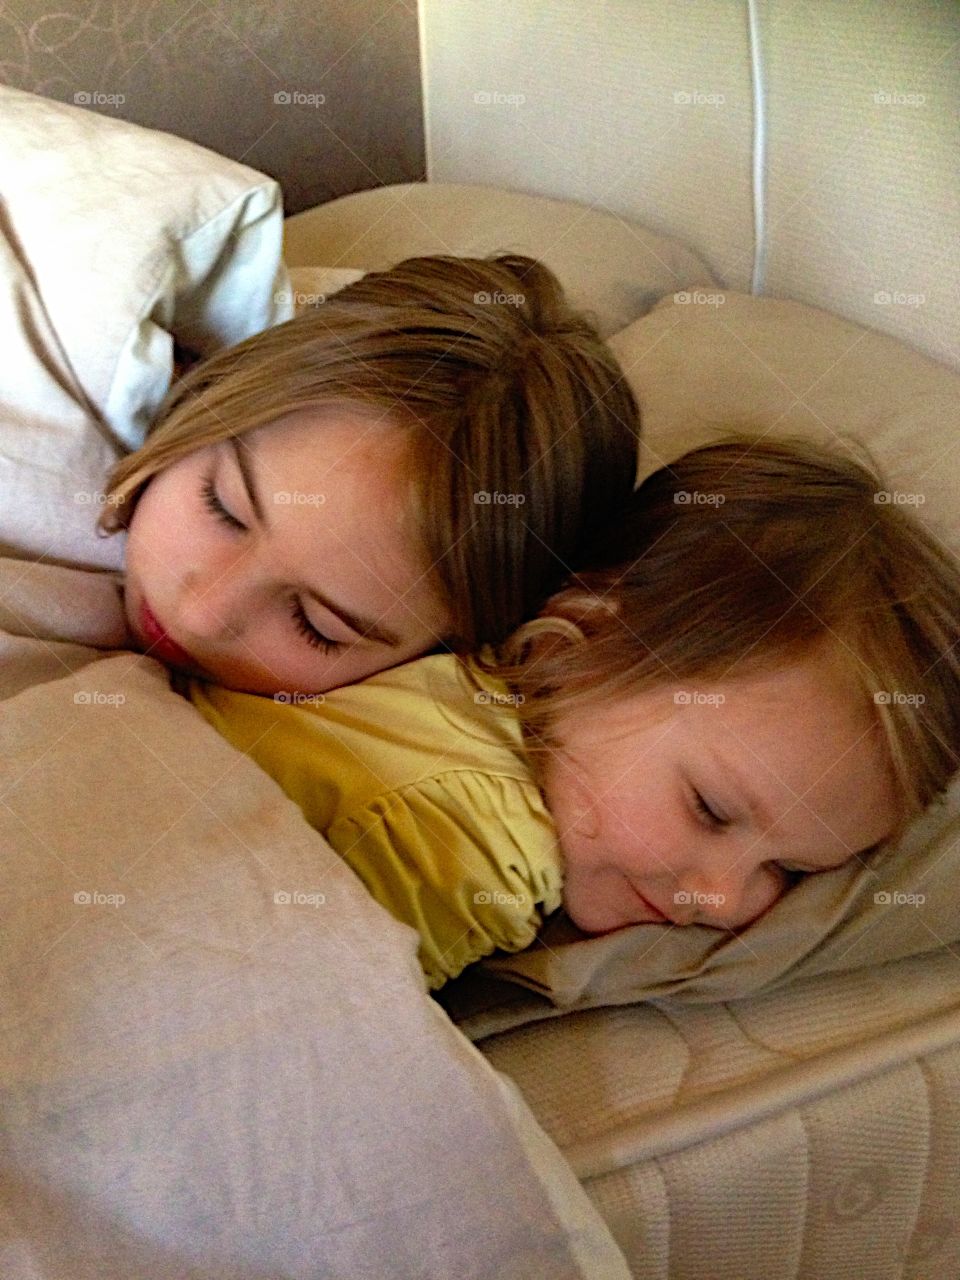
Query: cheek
[641, 834]
[165, 518]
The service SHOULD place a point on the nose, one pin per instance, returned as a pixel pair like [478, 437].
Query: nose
[728, 898]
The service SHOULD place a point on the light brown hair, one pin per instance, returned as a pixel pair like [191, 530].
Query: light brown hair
[735, 559]
[525, 430]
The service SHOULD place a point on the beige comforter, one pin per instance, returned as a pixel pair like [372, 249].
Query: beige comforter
[218, 1054]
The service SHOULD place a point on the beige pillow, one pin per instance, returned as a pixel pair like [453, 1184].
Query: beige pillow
[783, 366]
[311, 286]
[712, 358]
[609, 266]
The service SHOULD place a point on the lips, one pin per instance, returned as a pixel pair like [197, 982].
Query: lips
[160, 644]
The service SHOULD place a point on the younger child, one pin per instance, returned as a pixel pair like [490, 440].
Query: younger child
[412, 463]
[757, 679]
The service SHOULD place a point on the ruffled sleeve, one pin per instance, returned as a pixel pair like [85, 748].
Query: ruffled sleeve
[467, 858]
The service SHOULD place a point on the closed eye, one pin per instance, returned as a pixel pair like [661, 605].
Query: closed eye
[708, 816]
[216, 507]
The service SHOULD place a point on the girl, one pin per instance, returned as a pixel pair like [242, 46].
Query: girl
[757, 679]
[410, 464]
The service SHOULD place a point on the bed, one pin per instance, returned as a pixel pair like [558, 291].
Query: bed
[210, 1072]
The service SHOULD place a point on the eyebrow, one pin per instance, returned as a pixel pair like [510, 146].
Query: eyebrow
[364, 627]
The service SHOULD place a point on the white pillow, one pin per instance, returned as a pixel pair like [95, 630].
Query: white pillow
[116, 242]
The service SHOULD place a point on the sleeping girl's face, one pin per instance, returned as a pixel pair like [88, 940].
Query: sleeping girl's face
[284, 559]
[696, 804]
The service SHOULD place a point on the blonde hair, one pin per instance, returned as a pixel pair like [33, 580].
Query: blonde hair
[525, 429]
[738, 557]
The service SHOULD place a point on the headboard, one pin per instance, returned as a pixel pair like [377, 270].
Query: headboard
[648, 110]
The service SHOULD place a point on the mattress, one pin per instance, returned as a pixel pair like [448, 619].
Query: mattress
[810, 1134]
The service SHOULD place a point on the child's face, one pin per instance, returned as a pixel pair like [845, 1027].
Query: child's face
[793, 761]
[336, 521]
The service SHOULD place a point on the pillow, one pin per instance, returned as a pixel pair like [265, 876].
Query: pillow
[117, 243]
[611, 267]
[772, 364]
[310, 286]
[783, 366]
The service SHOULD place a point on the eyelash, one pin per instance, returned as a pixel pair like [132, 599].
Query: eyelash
[717, 824]
[316, 639]
[707, 813]
[216, 507]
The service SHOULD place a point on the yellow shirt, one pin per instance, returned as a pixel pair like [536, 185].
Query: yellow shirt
[418, 778]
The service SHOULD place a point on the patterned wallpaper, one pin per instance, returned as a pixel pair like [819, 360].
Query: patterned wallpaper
[323, 95]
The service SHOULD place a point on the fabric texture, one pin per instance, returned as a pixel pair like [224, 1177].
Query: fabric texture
[647, 116]
[417, 777]
[810, 1133]
[116, 243]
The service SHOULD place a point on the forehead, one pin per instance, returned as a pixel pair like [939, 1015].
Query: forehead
[328, 447]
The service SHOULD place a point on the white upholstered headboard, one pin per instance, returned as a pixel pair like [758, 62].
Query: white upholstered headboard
[647, 108]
